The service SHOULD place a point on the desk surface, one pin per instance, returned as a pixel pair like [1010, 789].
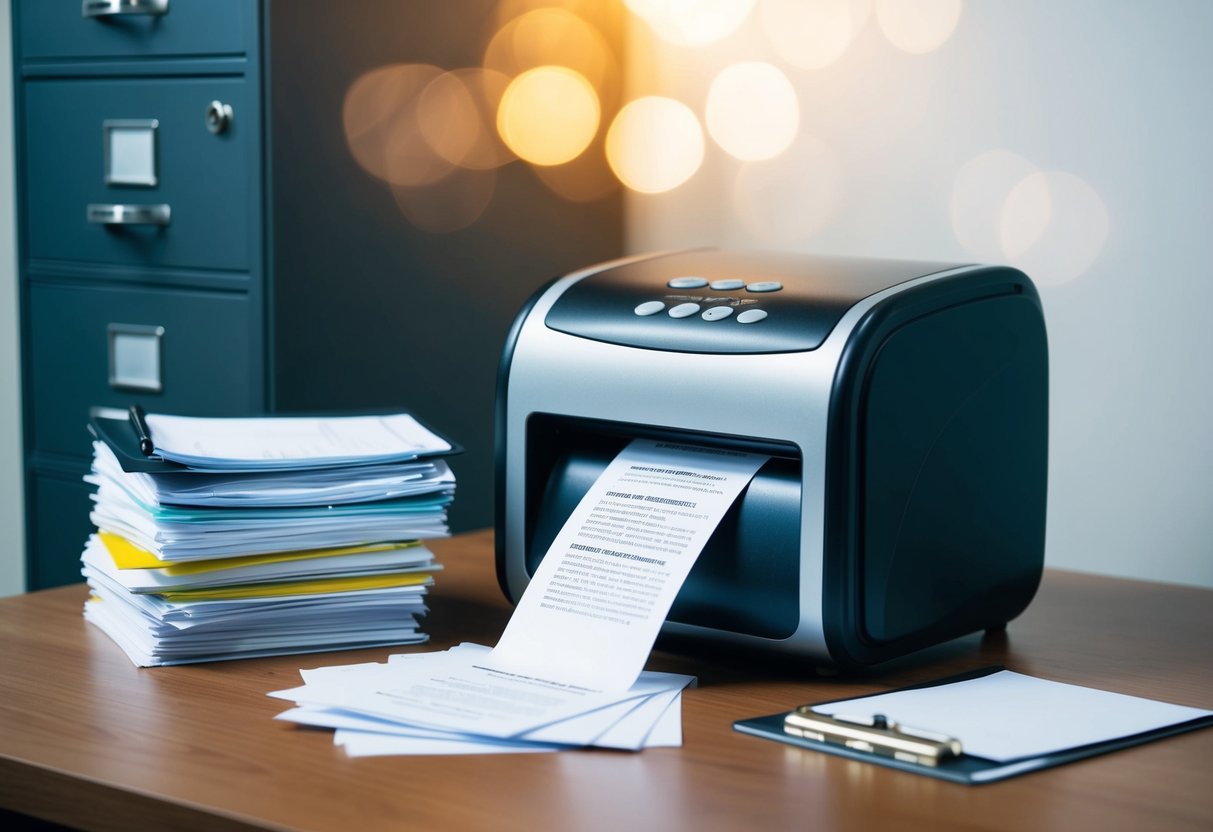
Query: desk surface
[88, 740]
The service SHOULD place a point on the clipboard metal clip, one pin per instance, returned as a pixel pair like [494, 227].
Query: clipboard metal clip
[875, 734]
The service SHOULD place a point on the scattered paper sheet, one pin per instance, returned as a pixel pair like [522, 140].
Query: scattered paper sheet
[1007, 715]
[369, 744]
[452, 691]
[425, 697]
[655, 723]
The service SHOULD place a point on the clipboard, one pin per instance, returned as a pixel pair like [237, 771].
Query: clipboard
[875, 740]
[118, 432]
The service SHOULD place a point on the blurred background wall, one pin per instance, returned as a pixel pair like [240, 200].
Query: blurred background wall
[1067, 138]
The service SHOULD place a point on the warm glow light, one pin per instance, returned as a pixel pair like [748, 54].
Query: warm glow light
[450, 205]
[979, 193]
[1027, 211]
[655, 144]
[506, 10]
[382, 127]
[811, 34]
[861, 10]
[752, 111]
[919, 26]
[448, 118]
[787, 200]
[548, 115]
[1072, 238]
[551, 37]
[692, 22]
[457, 111]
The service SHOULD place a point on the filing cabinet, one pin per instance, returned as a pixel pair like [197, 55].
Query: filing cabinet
[195, 236]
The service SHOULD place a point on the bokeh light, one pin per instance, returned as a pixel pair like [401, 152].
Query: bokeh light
[453, 204]
[812, 34]
[457, 113]
[1027, 211]
[655, 144]
[752, 111]
[383, 129]
[1075, 234]
[448, 117]
[506, 10]
[551, 37]
[692, 22]
[550, 71]
[809, 176]
[979, 194]
[548, 115]
[920, 26]
[1051, 224]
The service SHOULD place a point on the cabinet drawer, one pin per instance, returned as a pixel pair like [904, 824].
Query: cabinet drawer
[197, 346]
[59, 507]
[162, 159]
[61, 29]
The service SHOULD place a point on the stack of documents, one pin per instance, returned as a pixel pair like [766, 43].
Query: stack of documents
[256, 537]
[567, 672]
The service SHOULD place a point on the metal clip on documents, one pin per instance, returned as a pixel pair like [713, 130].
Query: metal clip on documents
[876, 735]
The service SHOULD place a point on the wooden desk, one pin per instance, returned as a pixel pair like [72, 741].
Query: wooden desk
[88, 740]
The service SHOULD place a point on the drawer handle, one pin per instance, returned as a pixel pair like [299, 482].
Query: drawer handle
[110, 8]
[136, 357]
[129, 214]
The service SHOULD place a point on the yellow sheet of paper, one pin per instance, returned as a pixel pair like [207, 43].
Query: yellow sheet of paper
[312, 587]
[127, 555]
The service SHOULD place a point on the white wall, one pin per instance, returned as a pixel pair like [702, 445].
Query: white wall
[12, 553]
[1113, 94]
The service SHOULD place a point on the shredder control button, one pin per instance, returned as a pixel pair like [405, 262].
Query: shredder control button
[764, 286]
[687, 283]
[717, 313]
[726, 285]
[649, 307]
[751, 316]
[684, 310]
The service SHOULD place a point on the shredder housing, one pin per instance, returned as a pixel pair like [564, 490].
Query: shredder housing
[904, 407]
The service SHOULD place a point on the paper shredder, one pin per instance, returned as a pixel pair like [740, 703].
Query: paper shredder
[904, 406]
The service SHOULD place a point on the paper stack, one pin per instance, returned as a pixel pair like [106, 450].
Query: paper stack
[256, 537]
[568, 671]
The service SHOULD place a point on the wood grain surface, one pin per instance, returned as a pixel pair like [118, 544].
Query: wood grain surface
[88, 740]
